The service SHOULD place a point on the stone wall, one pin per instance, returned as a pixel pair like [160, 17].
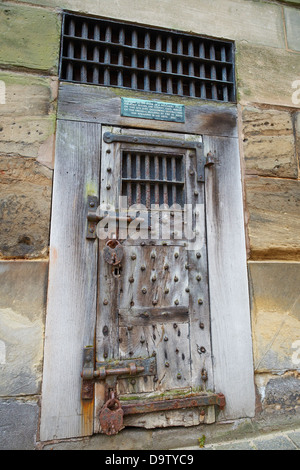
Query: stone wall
[268, 78]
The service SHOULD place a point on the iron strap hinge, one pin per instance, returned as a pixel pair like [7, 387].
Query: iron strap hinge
[202, 161]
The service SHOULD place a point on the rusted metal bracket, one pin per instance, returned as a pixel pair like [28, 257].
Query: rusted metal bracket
[110, 138]
[111, 371]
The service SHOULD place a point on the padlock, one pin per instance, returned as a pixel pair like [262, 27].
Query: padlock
[111, 417]
[113, 252]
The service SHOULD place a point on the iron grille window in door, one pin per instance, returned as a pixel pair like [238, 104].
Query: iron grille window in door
[152, 178]
[102, 52]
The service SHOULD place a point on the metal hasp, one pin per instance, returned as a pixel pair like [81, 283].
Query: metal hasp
[110, 138]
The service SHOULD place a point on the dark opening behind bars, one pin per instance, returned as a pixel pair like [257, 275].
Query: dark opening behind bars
[101, 52]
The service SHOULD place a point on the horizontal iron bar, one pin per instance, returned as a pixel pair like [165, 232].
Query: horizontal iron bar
[154, 52]
[149, 71]
[175, 404]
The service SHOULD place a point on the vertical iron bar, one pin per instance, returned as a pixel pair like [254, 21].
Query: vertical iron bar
[213, 72]
[134, 43]
[107, 56]
[179, 67]
[96, 54]
[158, 64]
[83, 55]
[121, 56]
[224, 74]
[156, 165]
[202, 70]
[165, 178]
[147, 63]
[174, 188]
[129, 184]
[138, 177]
[169, 66]
[191, 67]
[71, 50]
[147, 177]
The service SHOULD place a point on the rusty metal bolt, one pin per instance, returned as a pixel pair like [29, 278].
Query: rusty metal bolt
[143, 268]
[105, 302]
[198, 255]
[175, 278]
[153, 255]
[92, 204]
[108, 186]
[133, 256]
[166, 338]
[187, 289]
[129, 328]
[154, 302]
[144, 290]
[155, 378]
[133, 381]
[143, 243]
[167, 290]
[176, 255]
[201, 326]
[153, 278]
[166, 267]
[196, 193]
[178, 376]
[175, 325]
[131, 280]
[167, 364]
[200, 301]
[176, 302]
[202, 349]
[198, 278]
[109, 169]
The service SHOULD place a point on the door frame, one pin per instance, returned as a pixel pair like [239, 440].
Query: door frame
[71, 306]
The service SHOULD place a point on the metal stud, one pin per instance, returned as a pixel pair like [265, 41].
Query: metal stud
[105, 302]
[131, 280]
[178, 376]
[153, 255]
[198, 278]
[133, 256]
[175, 278]
[153, 278]
[176, 255]
[176, 302]
[187, 289]
[167, 290]
[167, 364]
[144, 290]
[200, 301]
[166, 267]
[154, 302]
[143, 268]
[108, 186]
[198, 255]
[166, 338]
[201, 326]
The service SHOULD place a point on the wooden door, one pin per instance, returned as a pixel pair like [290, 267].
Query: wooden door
[154, 305]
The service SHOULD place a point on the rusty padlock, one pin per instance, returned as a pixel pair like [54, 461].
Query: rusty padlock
[113, 252]
[111, 417]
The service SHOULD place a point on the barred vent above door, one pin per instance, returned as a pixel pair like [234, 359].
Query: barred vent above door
[101, 52]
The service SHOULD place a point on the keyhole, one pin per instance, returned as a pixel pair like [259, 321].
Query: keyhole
[117, 271]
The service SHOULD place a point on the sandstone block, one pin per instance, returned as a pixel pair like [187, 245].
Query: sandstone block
[256, 22]
[273, 207]
[25, 199]
[292, 24]
[266, 74]
[23, 287]
[27, 116]
[29, 37]
[275, 312]
[269, 143]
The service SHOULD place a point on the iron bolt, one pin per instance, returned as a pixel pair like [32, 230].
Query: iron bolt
[142, 340]
[175, 325]
[176, 302]
[167, 364]
[131, 280]
[153, 255]
[108, 151]
[108, 186]
[202, 349]
[133, 256]
[196, 193]
[198, 278]
[200, 301]
[201, 326]
[129, 328]
[144, 290]
[146, 314]
[175, 278]
[166, 338]
[155, 302]
[143, 243]
[167, 290]
[176, 255]
[178, 376]
[105, 302]
[92, 204]
[166, 267]
[133, 381]
[153, 279]
[192, 172]
[198, 255]
[143, 268]
[155, 378]
[109, 169]
[187, 289]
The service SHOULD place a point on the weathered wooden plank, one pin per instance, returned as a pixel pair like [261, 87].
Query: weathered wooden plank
[72, 282]
[95, 104]
[228, 283]
[145, 316]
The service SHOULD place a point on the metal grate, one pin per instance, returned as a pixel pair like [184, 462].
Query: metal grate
[153, 178]
[102, 52]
